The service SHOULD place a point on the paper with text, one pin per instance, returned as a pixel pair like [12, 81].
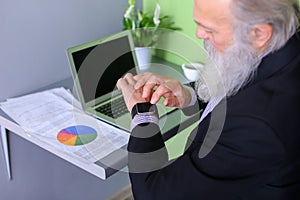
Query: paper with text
[43, 115]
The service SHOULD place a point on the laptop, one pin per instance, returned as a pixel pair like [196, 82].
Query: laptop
[96, 67]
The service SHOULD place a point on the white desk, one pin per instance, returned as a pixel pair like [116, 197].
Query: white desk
[97, 168]
[5, 150]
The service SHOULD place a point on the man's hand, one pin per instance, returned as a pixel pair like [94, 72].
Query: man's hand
[131, 95]
[175, 95]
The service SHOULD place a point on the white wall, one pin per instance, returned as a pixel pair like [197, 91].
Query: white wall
[36, 33]
[34, 36]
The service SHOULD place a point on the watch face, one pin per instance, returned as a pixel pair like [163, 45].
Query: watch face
[145, 107]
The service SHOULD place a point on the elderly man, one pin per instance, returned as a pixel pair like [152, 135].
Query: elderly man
[251, 83]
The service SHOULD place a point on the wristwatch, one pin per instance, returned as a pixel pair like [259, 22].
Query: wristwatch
[145, 108]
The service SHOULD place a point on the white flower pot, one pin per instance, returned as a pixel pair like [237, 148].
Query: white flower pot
[143, 56]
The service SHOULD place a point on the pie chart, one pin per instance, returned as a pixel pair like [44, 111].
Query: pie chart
[76, 135]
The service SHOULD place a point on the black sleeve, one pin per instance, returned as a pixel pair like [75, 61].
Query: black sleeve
[246, 147]
[198, 106]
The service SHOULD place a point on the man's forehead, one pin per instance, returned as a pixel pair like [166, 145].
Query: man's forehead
[214, 3]
[214, 10]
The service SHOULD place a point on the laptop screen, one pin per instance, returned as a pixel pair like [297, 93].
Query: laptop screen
[100, 66]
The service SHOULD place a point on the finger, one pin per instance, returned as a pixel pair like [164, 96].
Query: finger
[129, 78]
[142, 75]
[121, 83]
[147, 78]
[149, 86]
[174, 86]
[147, 98]
[171, 101]
[142, 79]
[159, 92]
[148, 90]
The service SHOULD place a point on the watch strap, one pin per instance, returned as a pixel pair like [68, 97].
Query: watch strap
[141, 119]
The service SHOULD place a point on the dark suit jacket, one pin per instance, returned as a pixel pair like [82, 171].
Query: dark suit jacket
[257, 155]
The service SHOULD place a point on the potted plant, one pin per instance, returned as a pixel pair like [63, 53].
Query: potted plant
[146, 28]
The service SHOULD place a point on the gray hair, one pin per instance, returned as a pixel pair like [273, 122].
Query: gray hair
[283, 15]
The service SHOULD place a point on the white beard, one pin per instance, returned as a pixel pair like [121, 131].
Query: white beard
[224, 75]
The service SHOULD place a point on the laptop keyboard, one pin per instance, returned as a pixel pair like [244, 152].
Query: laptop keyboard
[113, 109]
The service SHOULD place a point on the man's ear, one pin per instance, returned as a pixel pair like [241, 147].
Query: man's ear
[260, 35]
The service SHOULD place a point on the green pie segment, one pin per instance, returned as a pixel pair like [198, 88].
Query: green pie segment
[77, 135]
[84, 139]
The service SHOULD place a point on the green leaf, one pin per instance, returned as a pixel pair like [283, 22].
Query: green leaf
[144, 30]
[127, 24]
[131, 2]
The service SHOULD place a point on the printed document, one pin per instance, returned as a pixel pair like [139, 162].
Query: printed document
[46, 114]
